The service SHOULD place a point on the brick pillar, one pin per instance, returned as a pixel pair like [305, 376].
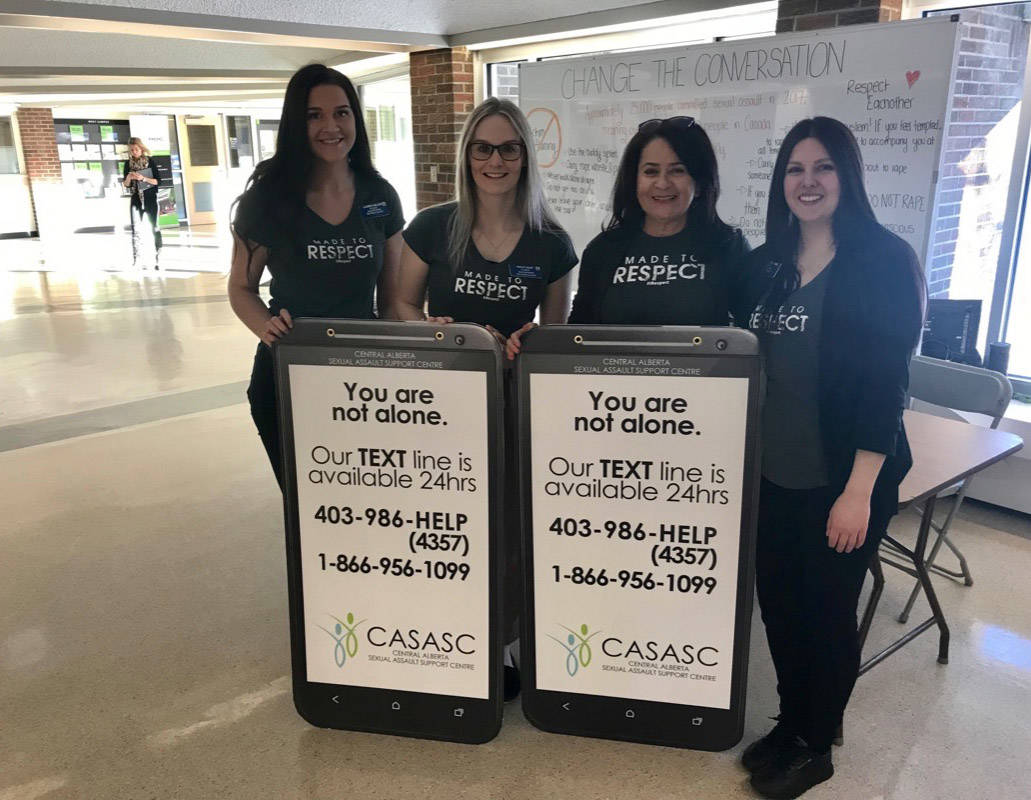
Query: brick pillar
[442, 97]
[39, 149]
[808, 15]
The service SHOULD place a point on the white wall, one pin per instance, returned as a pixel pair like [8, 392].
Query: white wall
[16, 203]
[16, 214]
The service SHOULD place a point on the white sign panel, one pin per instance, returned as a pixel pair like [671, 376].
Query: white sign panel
[393, 505]
[637, 500]
[889, 83]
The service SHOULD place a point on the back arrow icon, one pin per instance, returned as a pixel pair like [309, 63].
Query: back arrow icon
[336, 699]
[566, 705]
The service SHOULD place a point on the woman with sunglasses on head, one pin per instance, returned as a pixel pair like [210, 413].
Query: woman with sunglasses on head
[837, 302]
[322, 220]
[493, 257]
[665, 256]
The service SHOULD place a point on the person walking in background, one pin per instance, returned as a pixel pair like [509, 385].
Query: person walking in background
[141, 176]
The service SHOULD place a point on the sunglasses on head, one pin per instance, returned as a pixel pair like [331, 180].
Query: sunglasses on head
[509, 151]
[683, 123]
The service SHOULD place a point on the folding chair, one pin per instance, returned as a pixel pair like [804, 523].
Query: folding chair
[961, 388]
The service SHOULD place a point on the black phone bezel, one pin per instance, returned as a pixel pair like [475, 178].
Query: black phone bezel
[379, 710]
[649, 722]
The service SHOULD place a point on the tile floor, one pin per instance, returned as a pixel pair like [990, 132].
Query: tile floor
[143, 624]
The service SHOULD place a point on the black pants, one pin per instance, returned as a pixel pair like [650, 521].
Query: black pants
[262, 395]
[137, 212]
[808, 595]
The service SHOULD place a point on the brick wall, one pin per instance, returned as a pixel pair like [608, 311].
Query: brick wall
[42, 167]
[442, 97]
[977, 153]
[39, 145]
[808, 15]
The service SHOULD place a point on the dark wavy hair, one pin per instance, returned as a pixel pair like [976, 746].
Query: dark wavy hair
[854, 224]
[693, 148]
[277, 187]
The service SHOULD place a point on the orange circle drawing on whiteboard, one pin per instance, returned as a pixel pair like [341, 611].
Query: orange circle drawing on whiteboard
[547, 135]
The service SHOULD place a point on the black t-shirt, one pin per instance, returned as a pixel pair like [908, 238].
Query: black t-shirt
[666, 280]
[792, 454]
[502, 294]
[323, 270]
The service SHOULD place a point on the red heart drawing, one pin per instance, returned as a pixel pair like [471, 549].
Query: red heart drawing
[912, 77]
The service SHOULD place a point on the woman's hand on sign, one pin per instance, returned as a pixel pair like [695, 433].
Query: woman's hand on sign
[848, 521]
[277, 326]
[440, 320]
[513, 344]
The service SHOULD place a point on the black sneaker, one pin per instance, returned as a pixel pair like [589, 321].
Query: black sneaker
[797, 771]
[762, 752]
[511, 683]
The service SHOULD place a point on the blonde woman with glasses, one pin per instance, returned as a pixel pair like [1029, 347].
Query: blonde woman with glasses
[495, 254]
[493, 257]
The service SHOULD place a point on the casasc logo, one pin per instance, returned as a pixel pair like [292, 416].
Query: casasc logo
[577, 645]
[345, 638]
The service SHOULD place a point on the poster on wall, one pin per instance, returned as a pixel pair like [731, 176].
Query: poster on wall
[888, 82]
[88, 152]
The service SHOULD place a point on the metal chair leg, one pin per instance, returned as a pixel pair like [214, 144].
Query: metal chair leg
[875, 597]
[903, 616]
[964, 570]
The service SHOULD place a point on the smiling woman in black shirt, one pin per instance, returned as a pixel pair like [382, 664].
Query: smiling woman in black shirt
[496, 253]
[665, 256]
[836, 300]
[323, 221]
[492, 257]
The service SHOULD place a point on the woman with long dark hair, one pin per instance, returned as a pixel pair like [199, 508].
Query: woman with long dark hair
[141, 176]
[837, 302]
[321, 219]
[665, 256]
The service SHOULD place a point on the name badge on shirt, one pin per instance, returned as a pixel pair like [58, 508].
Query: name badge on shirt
[524, 271]
[376, 209]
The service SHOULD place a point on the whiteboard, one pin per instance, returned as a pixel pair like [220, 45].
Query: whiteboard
[888, 82]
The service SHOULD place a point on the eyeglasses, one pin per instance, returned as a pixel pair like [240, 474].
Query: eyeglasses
[683, 123]
[509, 151]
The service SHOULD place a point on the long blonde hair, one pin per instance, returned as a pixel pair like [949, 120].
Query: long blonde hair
[136, 140]
[530, 200]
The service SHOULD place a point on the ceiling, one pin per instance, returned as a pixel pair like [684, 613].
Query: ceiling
[140, 53]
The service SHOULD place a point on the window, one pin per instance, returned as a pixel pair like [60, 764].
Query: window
[387, 105]
[8, 152]
[981, 218]
[267, 132]
[387, 127]
[503, 80]
[203, 147]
